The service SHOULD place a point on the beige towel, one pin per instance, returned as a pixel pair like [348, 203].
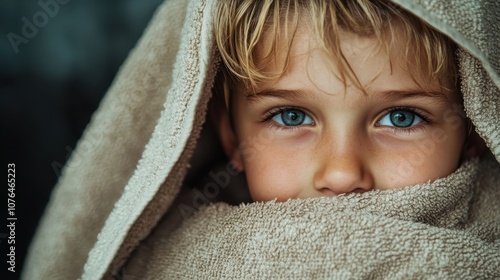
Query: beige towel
[130, 163]
[423, 231]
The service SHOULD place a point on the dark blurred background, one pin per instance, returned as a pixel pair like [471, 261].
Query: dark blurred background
[57, 59]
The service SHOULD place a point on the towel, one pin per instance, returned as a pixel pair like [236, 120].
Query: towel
[113, 212]
[423, 231]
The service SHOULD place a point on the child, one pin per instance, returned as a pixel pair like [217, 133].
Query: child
[346, 119]
[348, 96]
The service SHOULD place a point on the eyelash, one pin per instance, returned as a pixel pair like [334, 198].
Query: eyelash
[420, 113]
[267, 118]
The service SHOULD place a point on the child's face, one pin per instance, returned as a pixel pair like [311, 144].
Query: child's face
[304, 136]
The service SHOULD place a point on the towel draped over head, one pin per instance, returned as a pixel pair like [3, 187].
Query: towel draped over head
[113, 213]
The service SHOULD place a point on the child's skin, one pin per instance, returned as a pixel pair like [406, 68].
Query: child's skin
[339, 140]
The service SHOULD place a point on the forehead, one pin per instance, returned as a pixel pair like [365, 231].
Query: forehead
[302, 54]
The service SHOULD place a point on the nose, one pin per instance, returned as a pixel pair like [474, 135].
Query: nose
[343, 170]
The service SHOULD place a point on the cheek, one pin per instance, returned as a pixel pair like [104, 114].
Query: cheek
[274, 173]
[427, 159]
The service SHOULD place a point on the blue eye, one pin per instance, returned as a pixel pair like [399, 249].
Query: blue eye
[400, 118]
[292, 117]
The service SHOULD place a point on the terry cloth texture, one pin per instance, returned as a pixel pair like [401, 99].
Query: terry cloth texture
[424, 231]
[130, 163]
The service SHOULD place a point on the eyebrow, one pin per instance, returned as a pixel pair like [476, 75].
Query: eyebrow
[278, 93]
[388, 96]
[395, 95]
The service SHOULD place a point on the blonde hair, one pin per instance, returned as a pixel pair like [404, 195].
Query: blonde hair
[240, 25]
